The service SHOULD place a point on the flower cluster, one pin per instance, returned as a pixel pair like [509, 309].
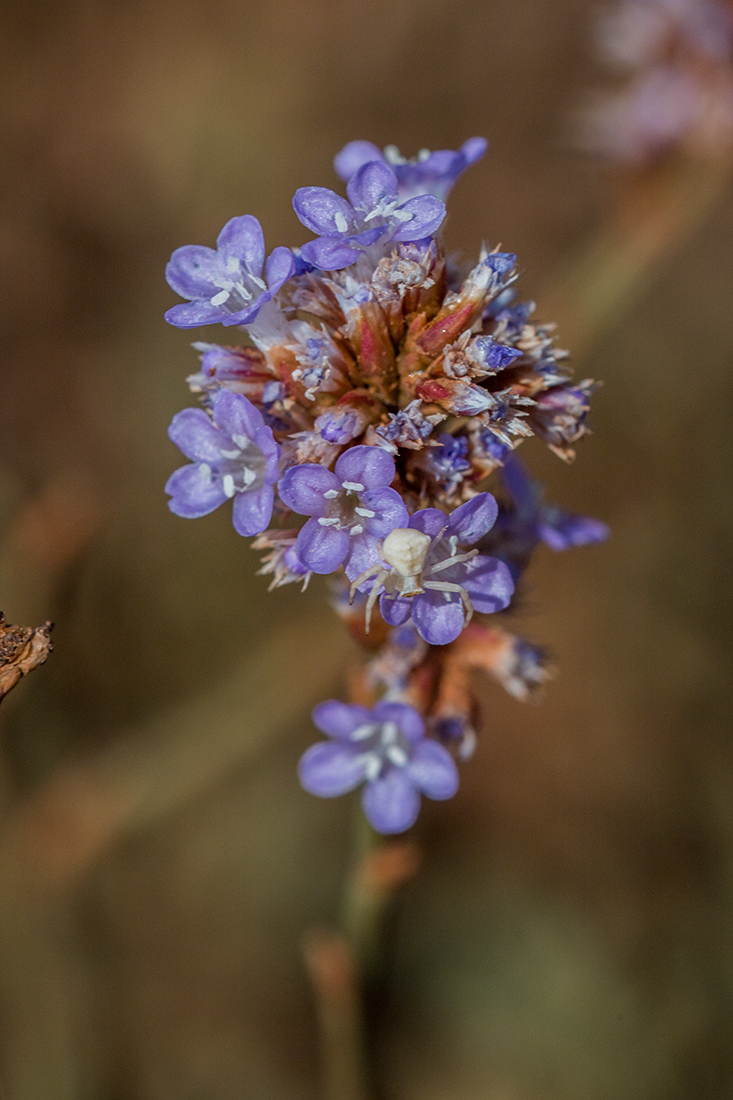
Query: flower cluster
[674, 59]
[378, 389]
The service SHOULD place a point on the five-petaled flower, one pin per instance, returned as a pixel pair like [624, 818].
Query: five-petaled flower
[225, 284]
[234, 455]
[430, 576]
[350, 509]
[374, 212]
[385, 748]
[426, 174]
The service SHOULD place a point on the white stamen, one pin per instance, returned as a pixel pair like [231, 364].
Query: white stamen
[241, 288]
[326, 521]
[241, 441]
[220, 298]
[397, 755]
[249, 476]
[258, 282]
[389, 733]
[393, 156]
[355, 530]
[362, 732]
[205, 470]
[372, 766]
[341, 223]
[353, 486]
[402, 215]
[231, 454]
[227, 484]
[453, 541]
[330, 494]
[232, 264]
[366, 512]
[386, 209]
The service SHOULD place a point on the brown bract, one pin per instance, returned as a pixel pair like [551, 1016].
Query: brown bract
[21, 650]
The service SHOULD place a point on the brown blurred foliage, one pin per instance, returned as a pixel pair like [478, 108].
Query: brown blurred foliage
[568, 934]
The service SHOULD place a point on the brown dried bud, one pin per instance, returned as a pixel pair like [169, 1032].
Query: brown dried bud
[21, 650]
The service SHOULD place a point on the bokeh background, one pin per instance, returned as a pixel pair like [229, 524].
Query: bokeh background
[570, 933]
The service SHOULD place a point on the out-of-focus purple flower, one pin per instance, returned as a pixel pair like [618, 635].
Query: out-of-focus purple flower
[387, 750]
[561, 530]
[373, 212]
[430, 576]
[224, 285]
[234, 456]
[426, 174]
[350, 509]
[528, 520]
[676, 55]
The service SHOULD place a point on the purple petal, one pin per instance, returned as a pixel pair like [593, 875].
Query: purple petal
[373, 183]
[194, 493]
[362, 555]
[339, 719]
[252, 510]
[236, 415]
[427, 214]
[318, 207]
[489, 584]
[394, 609]
[329, 253]
[471, 521]
[264, 439]
[192, 269]
[561, 530]
[433, 770]
[371, 467]
[303, 487]
[389, 509]
[249, 313]
[353, 155]
[328, 769]
[242, 237]
[438, 620]
[194, 434]
[194, 314]
[430, 521]
[322, 549]
[279, 268]
[405, 716]
[391, 803]
[474, 149]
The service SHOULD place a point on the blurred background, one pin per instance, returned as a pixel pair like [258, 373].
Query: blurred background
[570, 933]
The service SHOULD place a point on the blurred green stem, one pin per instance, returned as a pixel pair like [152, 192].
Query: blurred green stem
[362, 902]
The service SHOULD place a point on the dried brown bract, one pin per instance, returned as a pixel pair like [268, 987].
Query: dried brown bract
[22, 648]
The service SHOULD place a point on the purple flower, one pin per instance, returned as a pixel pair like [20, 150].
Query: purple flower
[350, 509]
[430, 577]
[448, 464]
[372, 213]
[386, 749]
[233, 455]
[528, 520]
[225, 284]
[561, 530]
[426, 174]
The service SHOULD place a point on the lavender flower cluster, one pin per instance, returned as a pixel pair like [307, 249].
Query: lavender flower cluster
[675, 63]
[379, 387]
